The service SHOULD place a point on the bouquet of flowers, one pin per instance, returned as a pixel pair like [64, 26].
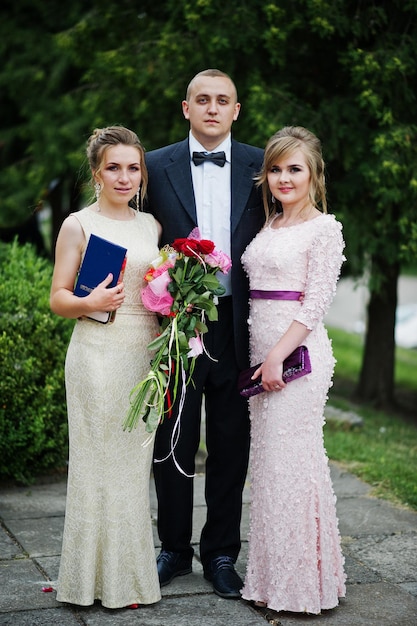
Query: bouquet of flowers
[183, 288]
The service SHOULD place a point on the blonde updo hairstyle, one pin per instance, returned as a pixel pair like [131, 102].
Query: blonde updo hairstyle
[281, 146]
[103, 138]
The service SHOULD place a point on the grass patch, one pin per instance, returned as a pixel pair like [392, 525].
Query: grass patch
[348, 349]
[383, 451]
[406, 369]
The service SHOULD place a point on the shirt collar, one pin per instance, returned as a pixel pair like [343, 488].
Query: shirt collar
[225, 146]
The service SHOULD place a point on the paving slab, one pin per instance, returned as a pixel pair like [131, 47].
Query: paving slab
[8, 548]
[358, 573]
[371, 516]
[379, 542]
[38, 501]
[46, 617]
[49, 565]
[21, 585]
[208, 610]
[393, 557]
[346, 484]
[379, 604]
[38, 536]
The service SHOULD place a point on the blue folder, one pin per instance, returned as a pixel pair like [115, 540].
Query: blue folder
[101, 257]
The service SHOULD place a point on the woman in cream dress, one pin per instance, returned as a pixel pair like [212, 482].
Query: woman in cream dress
[108, 550]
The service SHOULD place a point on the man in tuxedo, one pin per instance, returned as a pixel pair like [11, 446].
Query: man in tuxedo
[217, 194]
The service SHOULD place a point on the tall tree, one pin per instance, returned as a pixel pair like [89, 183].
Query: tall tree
[39, 126]
[346, 69]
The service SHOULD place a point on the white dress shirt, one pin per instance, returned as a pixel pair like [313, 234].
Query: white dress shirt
[212, 192]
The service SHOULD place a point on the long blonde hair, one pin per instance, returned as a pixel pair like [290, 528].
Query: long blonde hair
[281, 145]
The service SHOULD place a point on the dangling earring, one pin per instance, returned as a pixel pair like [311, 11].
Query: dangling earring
[97, 191]
[138, 199]
[273, 200]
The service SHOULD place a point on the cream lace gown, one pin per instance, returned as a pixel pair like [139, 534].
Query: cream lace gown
[295, 561]
[108, 551]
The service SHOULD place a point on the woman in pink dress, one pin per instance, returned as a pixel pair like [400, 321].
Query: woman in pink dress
[295, 561]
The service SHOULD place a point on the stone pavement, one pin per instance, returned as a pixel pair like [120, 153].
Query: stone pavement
[379, 543]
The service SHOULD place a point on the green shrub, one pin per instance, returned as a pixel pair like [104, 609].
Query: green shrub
[33, 343]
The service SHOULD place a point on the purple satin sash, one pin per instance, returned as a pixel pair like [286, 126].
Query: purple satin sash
[274, 295]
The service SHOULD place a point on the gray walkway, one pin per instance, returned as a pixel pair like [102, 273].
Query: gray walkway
[379, 543]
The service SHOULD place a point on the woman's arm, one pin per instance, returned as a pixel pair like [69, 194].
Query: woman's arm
[271, 368]
[68, 254]
[325, 259]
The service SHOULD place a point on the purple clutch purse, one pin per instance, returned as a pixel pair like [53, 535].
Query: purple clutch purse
[297, 364]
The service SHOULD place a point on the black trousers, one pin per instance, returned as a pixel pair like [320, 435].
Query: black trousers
[227, 440]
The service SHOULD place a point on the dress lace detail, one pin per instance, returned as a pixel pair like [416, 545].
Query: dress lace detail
[295, 561]
[108, 551]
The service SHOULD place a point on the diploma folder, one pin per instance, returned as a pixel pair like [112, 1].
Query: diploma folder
[101, 257]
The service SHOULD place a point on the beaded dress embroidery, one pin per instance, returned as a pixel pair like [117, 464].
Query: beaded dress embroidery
[295, 561]
[108, 549]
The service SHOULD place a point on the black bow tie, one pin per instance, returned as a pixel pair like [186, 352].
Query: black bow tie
[219, 158]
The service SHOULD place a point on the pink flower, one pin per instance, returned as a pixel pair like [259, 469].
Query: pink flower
[155, 296]
[219, 259]
[196, 346]
[159, 283]
[155, 271]
[184, 299]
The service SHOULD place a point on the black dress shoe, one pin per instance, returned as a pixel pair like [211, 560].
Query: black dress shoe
[222, 574]
[172, 564]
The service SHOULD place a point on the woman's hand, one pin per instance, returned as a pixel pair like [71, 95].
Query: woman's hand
[104, 299]
[272, 368]
[271, 373]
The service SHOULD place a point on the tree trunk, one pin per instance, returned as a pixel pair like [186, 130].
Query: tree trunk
[376, 380]
[26, 232]
[62, 203]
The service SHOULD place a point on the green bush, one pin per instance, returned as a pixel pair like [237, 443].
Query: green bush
[33, 343]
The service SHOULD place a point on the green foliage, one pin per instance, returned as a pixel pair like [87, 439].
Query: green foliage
[193, 286]
[347, 348]
[345, 69]
[40, 125]
[383, 452]
[33, 341]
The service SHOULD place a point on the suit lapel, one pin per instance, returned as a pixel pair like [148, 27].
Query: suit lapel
[179, 174]
[242, 182]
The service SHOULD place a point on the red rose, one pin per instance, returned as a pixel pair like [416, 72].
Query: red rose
[206, 246]
[180, 245]
[186, 246]
[190, 247]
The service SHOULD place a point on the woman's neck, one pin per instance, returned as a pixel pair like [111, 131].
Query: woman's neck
[115, 212]
[292, 215]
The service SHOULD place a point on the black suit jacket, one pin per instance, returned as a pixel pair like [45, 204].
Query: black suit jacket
[171, 200]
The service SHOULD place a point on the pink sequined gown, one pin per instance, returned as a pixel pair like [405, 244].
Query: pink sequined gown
[295, 561]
